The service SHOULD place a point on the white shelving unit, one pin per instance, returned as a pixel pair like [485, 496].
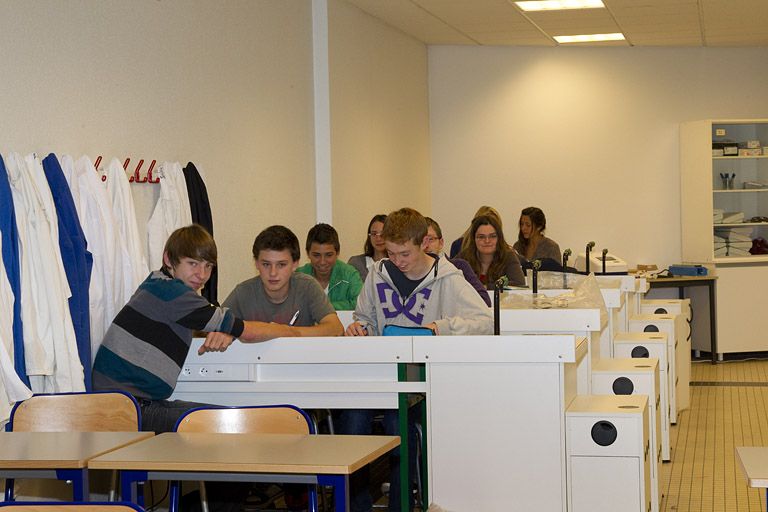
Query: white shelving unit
[703, 189]
[740, 302]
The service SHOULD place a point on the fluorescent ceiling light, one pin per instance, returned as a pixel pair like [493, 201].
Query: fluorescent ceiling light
[555, 5]
[590, 38]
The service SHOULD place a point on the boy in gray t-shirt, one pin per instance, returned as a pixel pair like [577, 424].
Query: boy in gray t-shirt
[280, 296]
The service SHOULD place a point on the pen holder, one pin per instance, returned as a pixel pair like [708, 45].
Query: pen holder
[730, 183]
[725, 183]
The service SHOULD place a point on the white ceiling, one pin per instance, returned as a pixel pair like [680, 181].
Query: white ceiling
[643, 22]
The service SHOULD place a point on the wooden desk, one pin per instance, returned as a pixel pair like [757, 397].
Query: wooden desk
[754, 463]
[313, 459]
[60, 455]
[682, 282]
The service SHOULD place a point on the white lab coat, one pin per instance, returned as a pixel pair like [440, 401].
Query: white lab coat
[97, 220]
[12, 389]
[50, 347]
[68, 168]
[171, 212]
[132, 263]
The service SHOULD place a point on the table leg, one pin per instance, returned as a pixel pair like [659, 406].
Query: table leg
[712, 320]
[129, 481]
[340, 484]
[405, 480]
[79, 478]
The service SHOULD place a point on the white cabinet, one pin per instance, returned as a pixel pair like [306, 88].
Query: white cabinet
[608, 454]
[640, 345]
[630, 376]
[740, 304]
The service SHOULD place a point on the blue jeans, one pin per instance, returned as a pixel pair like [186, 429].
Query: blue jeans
[359, 422]
[160, 416]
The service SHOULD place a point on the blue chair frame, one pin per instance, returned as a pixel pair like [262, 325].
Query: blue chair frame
[95, 505]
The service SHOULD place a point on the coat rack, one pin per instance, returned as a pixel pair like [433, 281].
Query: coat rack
[135, 177]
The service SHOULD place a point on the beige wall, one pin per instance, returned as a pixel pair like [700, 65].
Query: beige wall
[227, 85]
[590, 135]
[379, 122]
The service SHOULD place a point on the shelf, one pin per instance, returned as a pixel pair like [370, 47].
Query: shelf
[739, 224]
[738, 157]
[758, 258]
[739, 190]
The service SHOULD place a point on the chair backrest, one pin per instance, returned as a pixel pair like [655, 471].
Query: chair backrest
[13, 506]
[268, 419]
[87, 412]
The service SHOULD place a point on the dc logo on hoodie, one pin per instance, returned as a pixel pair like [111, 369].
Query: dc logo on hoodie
[392, 305]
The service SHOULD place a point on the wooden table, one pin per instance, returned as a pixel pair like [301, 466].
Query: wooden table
[754, 463]
[311, 459]
[682, 282]
[60, 455]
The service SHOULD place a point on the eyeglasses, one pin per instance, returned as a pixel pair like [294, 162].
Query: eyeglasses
[431, 239]
[483, 238]
[374, 234]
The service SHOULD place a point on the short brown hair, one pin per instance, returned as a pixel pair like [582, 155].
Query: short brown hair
[277, 238]
[191, 241]
[323, 234]
[403, 225]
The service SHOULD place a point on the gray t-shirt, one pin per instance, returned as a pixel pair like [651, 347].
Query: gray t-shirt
[249, 301]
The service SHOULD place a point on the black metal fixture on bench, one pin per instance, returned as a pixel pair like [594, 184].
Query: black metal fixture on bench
[590, 245]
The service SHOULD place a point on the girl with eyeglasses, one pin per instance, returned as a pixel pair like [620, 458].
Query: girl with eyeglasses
[488, 253]
[373, 249]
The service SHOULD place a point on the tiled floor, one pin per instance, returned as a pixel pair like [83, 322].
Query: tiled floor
[729, 408]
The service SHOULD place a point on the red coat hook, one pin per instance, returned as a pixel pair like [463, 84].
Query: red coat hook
[96, 166]
[136, 176]
[149, 174]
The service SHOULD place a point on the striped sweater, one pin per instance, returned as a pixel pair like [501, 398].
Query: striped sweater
[146, 345]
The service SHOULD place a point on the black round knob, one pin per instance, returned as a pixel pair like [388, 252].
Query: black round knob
[640, 351]
[651, 328]
[660, 311]
[604, 433]
[623, 386]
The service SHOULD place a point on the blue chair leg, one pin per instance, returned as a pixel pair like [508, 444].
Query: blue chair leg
[9, 489]
[312, 492]
[173, 502]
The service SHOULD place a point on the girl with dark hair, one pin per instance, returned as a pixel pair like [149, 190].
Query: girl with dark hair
[531, 243]
[374, 248]
[488, 253]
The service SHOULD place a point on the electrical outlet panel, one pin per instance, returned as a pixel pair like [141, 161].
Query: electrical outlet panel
[215, 372]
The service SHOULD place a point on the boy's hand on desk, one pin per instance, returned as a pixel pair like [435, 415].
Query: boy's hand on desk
[356, 329]
[216, 342]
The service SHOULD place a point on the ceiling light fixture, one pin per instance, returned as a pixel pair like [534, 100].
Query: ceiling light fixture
[556, 5]
[590, 38]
